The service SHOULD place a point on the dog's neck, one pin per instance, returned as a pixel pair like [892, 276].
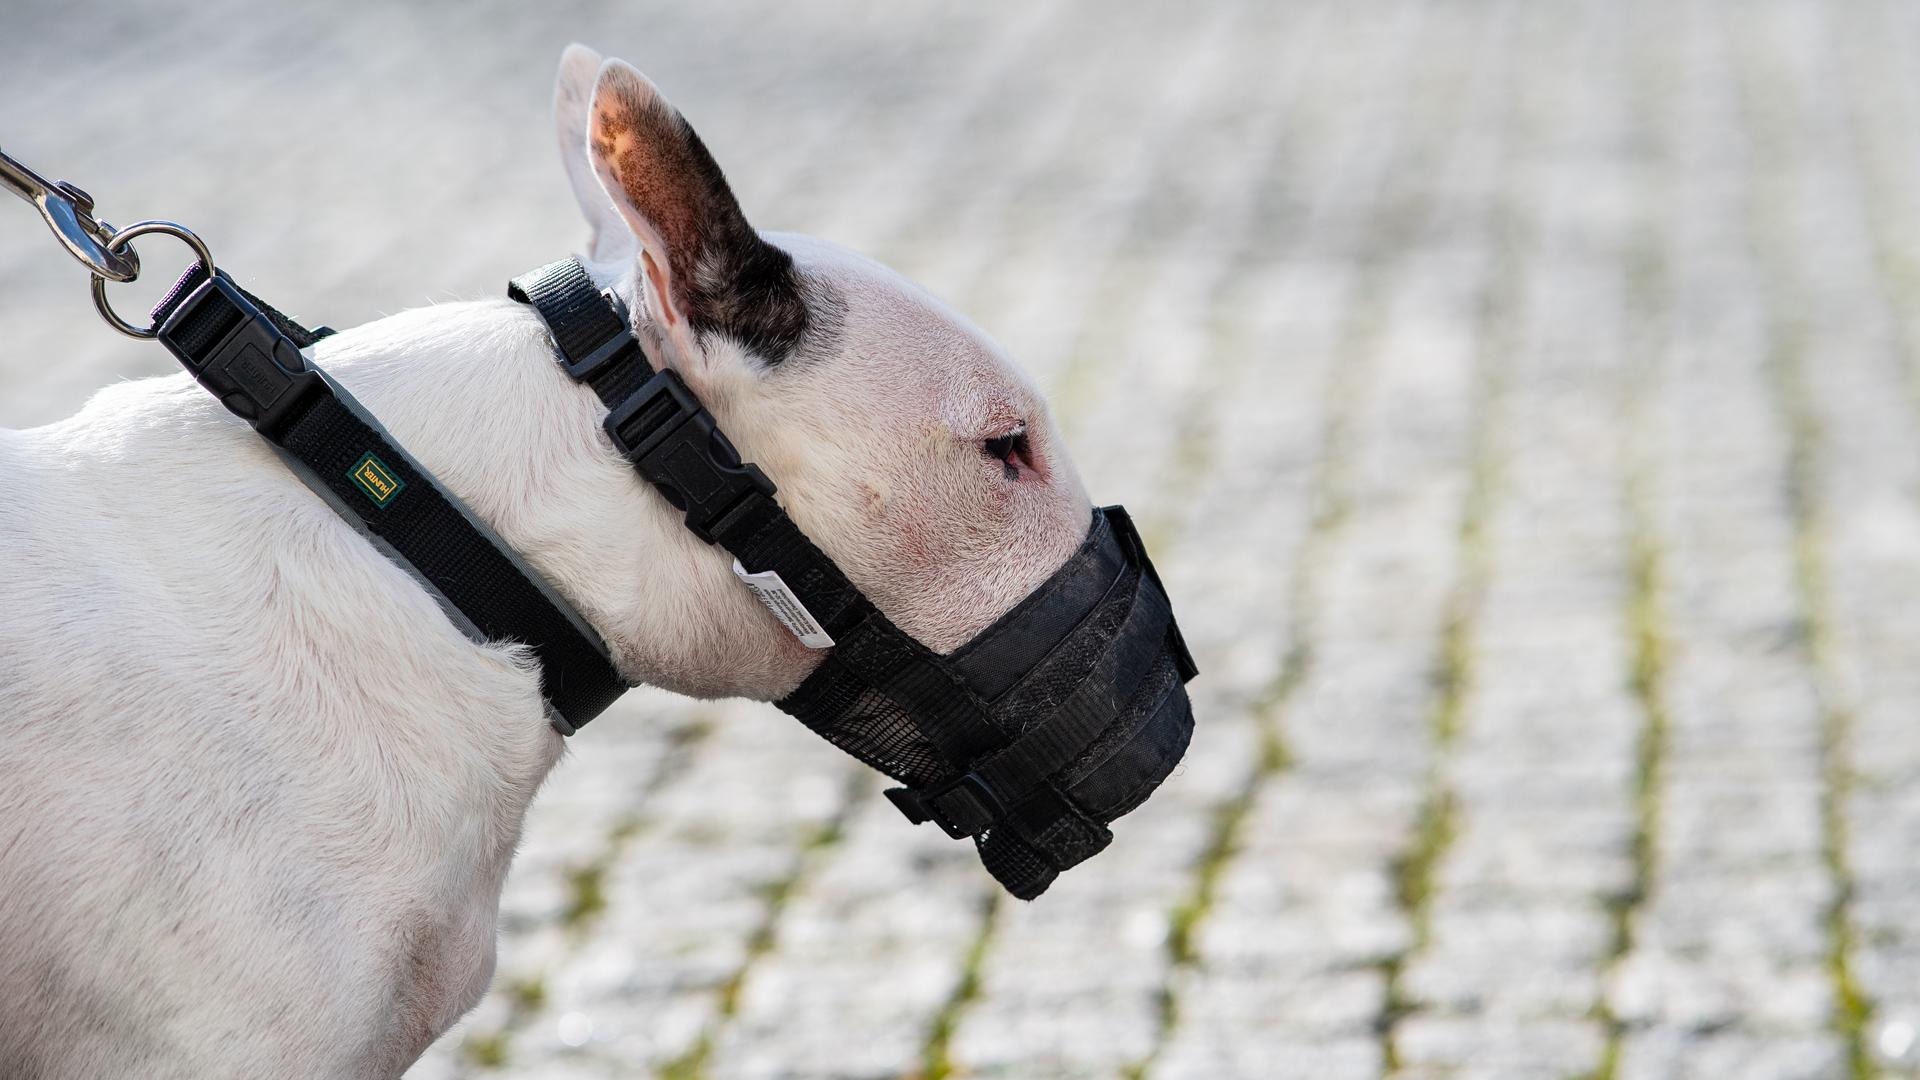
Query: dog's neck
[472, 390]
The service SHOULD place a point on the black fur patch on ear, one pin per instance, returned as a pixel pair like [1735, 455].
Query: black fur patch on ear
[725, 278]
[756, 301]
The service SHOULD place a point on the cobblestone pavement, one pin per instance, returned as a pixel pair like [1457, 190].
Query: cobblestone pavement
[1522, 401]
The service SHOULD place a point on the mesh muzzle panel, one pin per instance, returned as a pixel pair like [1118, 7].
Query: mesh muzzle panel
[857, 714]
[843, 708]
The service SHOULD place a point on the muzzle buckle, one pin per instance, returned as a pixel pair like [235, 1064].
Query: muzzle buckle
[962, 806]
[673, 441]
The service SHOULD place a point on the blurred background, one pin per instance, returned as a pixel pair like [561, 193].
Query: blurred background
[1520, 399]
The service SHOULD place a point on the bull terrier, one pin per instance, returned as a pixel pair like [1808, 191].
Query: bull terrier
[258, 794]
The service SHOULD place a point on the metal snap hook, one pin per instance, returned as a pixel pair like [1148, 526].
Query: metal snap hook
[118, 242]
[69, 212]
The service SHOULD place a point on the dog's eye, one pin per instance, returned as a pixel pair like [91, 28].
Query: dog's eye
[1010, 450]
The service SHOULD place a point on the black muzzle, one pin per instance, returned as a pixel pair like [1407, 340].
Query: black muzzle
[1057, 719]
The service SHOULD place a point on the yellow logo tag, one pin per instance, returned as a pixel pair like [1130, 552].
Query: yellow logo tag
[372, 476]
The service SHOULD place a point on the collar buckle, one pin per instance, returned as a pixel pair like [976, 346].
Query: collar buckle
[234, 350]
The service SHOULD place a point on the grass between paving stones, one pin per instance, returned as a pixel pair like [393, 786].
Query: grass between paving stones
[935, 1060]
[1330, 505]
[1223, 843]
[1852, 1008]
[1121, 291]
[1195, 454]
[1647, 652]
[1192, 454]
[1413, 870]
[586, 899]
[1437, 823]
[1228, 820]
[1897, 267]
[1395, 226]
[1648, 289]
[693, 1064]
[1118, 296]
[1224, 837]
[1763, 105]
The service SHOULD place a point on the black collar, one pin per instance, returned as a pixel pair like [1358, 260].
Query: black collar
[248, 355]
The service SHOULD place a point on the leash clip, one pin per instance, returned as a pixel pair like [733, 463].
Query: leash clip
[69, 213]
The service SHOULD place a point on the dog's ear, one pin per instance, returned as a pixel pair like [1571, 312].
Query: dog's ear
[704, 269]
[609, 239]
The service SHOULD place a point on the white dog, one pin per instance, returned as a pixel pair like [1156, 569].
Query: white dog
[258, 794]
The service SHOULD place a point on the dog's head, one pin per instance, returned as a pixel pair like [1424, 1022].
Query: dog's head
[902, 439]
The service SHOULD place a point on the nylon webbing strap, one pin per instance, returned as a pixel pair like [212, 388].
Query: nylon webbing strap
[197, 273]
[772, 541]
[597, 347]
[1014, 784]
[248, 355]
[589, 329]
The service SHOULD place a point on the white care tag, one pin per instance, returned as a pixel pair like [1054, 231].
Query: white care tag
[785, 606]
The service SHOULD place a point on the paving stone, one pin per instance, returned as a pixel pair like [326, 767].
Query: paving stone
[1475, 1046]
[1273, 1055]
[1676, 1053]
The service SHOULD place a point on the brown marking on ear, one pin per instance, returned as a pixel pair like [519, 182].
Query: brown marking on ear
[723, 276]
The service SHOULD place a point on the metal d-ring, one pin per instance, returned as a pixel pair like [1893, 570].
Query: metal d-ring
[117, 242]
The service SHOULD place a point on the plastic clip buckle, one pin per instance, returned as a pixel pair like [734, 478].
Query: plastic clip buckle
[961, 806]
[674, 444]
[256, 371]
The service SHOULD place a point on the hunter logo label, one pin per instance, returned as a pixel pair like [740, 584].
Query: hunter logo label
[372, 476]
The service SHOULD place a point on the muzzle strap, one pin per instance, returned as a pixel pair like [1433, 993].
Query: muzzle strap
[769, 540]
[589, 329]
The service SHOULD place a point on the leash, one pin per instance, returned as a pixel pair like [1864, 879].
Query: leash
[248, 354]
